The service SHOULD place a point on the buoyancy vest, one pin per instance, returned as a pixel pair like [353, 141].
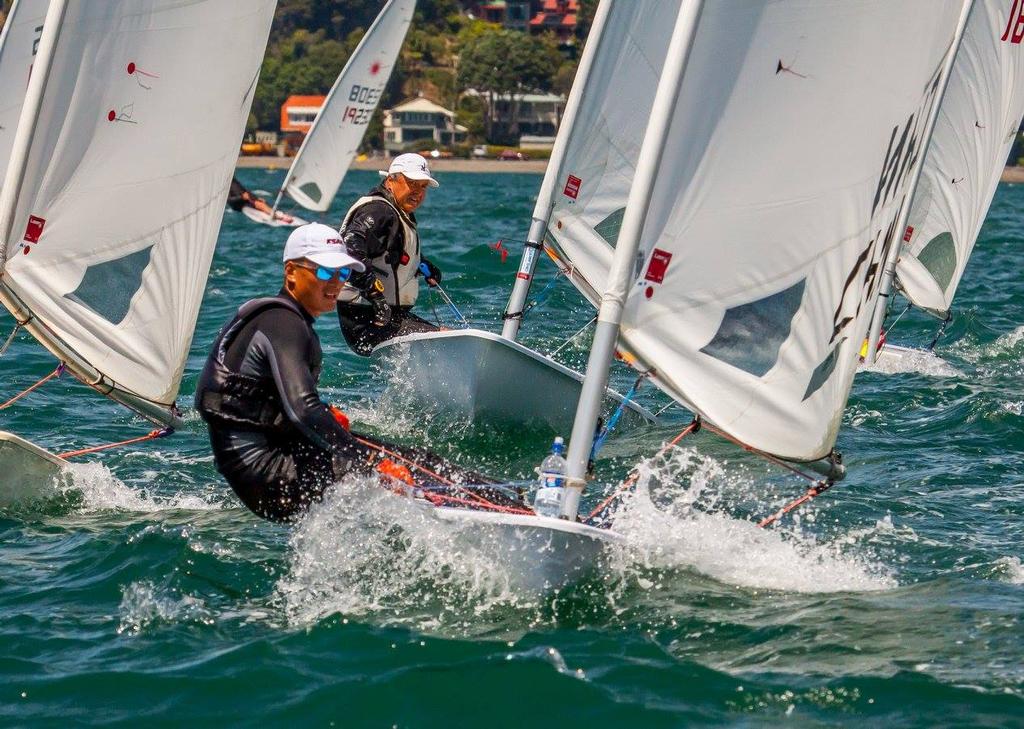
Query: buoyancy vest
[231, 399]
[400, 285]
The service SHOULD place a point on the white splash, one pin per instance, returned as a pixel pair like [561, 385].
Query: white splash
[99, 490]
[142, 605]
[365, 551]
[1016, 407]
[1011, 569]
[677, 534]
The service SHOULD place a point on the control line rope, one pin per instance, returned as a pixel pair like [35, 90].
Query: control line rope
[151, 435]
[56, 373]
[474, 499]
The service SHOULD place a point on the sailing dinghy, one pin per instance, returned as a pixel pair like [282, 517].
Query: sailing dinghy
[977, 123]
[740, 282]
[482, 376]
[277, 220]
[113, 200]
[332, 142]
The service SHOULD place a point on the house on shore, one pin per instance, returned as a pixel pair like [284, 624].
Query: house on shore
[422, 123]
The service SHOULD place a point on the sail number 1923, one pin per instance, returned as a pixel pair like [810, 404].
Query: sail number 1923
[364, 100]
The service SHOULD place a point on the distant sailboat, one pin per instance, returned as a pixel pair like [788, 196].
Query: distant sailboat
[484, 376]
[765, 198]
[330, 145]
[977, 123]
[113, 199]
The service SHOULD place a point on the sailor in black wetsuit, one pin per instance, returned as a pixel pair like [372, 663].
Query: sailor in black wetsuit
[380, 232]
[274, 441]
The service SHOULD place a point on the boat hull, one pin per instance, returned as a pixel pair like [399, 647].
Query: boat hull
[484, 377]
[894, 359]
[30, 472]
[537, 553]
[258, 216]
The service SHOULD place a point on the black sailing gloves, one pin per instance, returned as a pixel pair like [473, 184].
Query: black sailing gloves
[381, 310]
[430, 272]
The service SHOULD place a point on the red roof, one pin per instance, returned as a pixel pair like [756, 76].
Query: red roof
[299, 100]
[569, 19]
[551, 5]
[538, 19]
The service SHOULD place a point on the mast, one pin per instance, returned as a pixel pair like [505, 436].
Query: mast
[542, 210]
[889, 270]
[29, 118]
[619, 277]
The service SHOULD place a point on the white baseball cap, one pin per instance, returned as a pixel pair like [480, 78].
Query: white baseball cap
[322, 245]
[413, 166]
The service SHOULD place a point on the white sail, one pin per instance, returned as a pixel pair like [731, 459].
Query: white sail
[788, 158]
[978, 121]
[333, 140]
[116, 188]
[593, 181]
[19, 42]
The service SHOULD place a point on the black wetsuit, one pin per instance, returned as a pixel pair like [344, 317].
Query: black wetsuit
[274, 441]
[236, 199]
[374, 232]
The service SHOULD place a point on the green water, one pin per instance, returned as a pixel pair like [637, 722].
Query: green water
[143, 592]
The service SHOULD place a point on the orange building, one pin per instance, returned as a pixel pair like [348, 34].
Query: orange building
[299, 112]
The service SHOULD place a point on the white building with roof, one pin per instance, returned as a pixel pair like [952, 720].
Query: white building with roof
[420, 120]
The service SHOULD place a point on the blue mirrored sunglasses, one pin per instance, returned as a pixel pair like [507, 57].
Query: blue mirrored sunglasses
[329, 274]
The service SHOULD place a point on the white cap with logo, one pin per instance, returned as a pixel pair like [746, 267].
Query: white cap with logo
[413, 166]
[320, 244]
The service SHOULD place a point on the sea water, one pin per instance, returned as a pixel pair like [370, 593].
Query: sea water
[141, 591]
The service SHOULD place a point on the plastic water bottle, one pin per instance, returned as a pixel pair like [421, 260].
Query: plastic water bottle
[548, 500]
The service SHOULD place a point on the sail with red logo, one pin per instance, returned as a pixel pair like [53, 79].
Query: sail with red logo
[332, 142]
[111, 204]
[980, 115]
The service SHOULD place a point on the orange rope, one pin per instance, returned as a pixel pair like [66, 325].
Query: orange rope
[628, 483]
[149, 436]
[811, 493]
[478, 500]
[56, 373]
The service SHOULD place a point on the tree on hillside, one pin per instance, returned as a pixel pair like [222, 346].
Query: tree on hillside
[501, 63]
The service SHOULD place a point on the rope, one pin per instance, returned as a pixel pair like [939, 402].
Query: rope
[56, 373]
[151, 435]
[693, 427]
[931, 347]
[542, 296]
[818, 488]
[600, 438]
[579, 331]
[10, 338]
[477, 500]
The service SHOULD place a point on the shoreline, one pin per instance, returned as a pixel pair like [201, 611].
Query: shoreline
[529, 166]
[532, 166]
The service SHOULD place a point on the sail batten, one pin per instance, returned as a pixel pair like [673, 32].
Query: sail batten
[330, 145]
[114, 197]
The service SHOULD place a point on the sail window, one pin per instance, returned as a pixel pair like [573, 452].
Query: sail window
[750, 335]
[108, 288]
[610, 226]
[823, 371]
[939, 257]
[312, 191]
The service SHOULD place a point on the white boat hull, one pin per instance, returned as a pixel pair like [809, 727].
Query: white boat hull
[484, 377]
[894, 359]
[30, 472]
[258, 216]
[537, 553]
